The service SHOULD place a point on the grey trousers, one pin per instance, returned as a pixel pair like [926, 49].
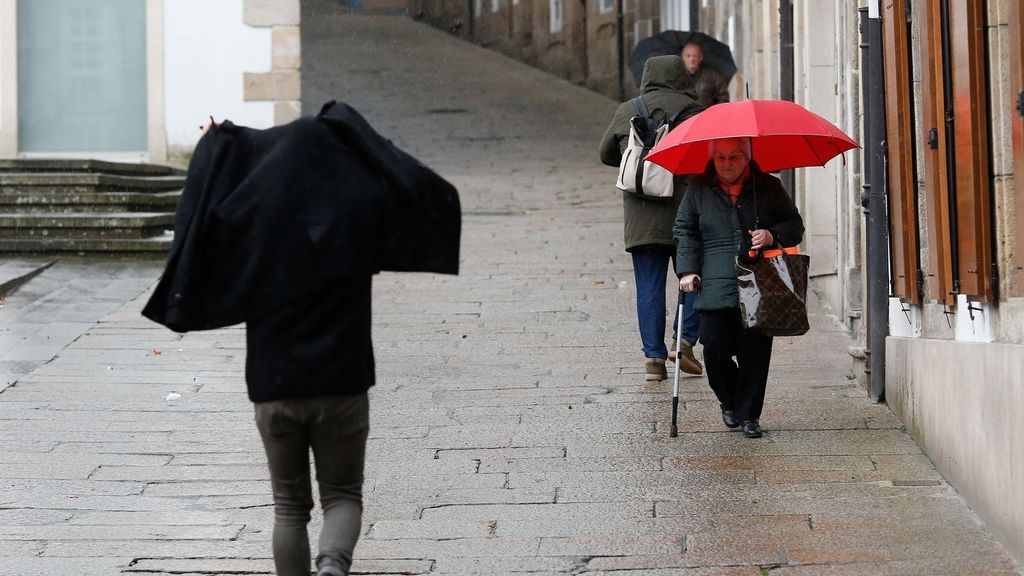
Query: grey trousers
[335, 428]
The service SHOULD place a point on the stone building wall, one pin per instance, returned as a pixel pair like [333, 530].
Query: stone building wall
[282, 83]
[583, 50]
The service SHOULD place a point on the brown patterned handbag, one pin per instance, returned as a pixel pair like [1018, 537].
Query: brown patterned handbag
[772, 289]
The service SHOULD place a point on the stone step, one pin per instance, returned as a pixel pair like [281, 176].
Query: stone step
[73, 182]
[156, 246]
[49, 201]
[85, 226]
[54, 165]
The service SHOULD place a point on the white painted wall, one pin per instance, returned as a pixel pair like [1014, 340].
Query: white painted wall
[207, 48]
[816, 79]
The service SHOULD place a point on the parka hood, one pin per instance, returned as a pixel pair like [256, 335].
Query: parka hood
[666, 73]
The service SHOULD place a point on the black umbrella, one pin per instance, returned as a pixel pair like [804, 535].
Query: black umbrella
[670, 42]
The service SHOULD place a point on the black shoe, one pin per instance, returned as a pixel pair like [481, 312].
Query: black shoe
[751, 429]
[729, 419]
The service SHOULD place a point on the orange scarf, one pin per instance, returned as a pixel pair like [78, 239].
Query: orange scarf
[733, 190]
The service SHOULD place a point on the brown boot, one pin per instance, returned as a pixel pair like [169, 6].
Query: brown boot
[654, 370]
[687, 361]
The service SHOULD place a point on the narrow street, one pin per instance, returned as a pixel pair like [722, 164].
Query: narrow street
[512, 430]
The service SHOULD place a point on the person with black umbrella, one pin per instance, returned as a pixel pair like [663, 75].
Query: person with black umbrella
[708, 61]
[711, 86]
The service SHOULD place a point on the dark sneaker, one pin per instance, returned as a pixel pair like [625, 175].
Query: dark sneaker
[752, 429]
[654, 371]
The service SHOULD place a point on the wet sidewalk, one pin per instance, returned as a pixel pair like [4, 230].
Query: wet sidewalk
[511, 431]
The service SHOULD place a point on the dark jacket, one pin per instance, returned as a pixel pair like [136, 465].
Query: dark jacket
[316, 345]
[666, 89]
[268, 217]
[710, 231]
[710, 86]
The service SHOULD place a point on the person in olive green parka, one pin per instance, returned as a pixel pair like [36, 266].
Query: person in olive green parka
[666, 89]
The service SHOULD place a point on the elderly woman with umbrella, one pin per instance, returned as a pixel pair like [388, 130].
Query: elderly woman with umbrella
[734, 206]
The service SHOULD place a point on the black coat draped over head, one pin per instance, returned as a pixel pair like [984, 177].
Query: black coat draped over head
[270, 216]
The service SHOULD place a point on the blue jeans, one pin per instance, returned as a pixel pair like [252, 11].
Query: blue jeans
[650, 266]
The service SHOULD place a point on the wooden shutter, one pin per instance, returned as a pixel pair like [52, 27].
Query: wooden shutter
[1016, 46]
[938, 280]
[970, 122]
[899, 136]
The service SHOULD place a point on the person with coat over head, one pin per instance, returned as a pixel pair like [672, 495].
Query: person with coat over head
[731, 208]
[666, 90]
[283, 229]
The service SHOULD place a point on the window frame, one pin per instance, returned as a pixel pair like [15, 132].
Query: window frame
[557, 15]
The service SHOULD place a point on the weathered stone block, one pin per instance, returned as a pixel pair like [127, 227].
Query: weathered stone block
[285, 112]
[271, 12]
[272, 86]
[286, 48]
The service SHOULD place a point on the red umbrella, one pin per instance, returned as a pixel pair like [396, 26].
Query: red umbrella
[784, 135]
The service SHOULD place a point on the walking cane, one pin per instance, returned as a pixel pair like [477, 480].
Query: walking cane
[674, 431]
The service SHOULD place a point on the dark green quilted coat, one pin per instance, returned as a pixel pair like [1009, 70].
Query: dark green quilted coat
[710, 231]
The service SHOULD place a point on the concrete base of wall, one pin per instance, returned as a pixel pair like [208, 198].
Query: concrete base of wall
[963, 402]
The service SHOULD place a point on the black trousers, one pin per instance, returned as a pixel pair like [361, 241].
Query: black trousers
[740, 384]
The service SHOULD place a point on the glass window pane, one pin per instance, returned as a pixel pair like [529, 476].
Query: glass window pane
[82, 75]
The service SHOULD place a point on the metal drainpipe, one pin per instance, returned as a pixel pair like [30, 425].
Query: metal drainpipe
[620, 20]
[877, 210]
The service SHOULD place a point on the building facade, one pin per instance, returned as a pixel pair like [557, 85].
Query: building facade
[955, 157]
[953, 178]
[132, 80]
[577, 40]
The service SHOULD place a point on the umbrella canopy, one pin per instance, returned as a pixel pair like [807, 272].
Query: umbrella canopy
[784, 135]
[670, 43]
